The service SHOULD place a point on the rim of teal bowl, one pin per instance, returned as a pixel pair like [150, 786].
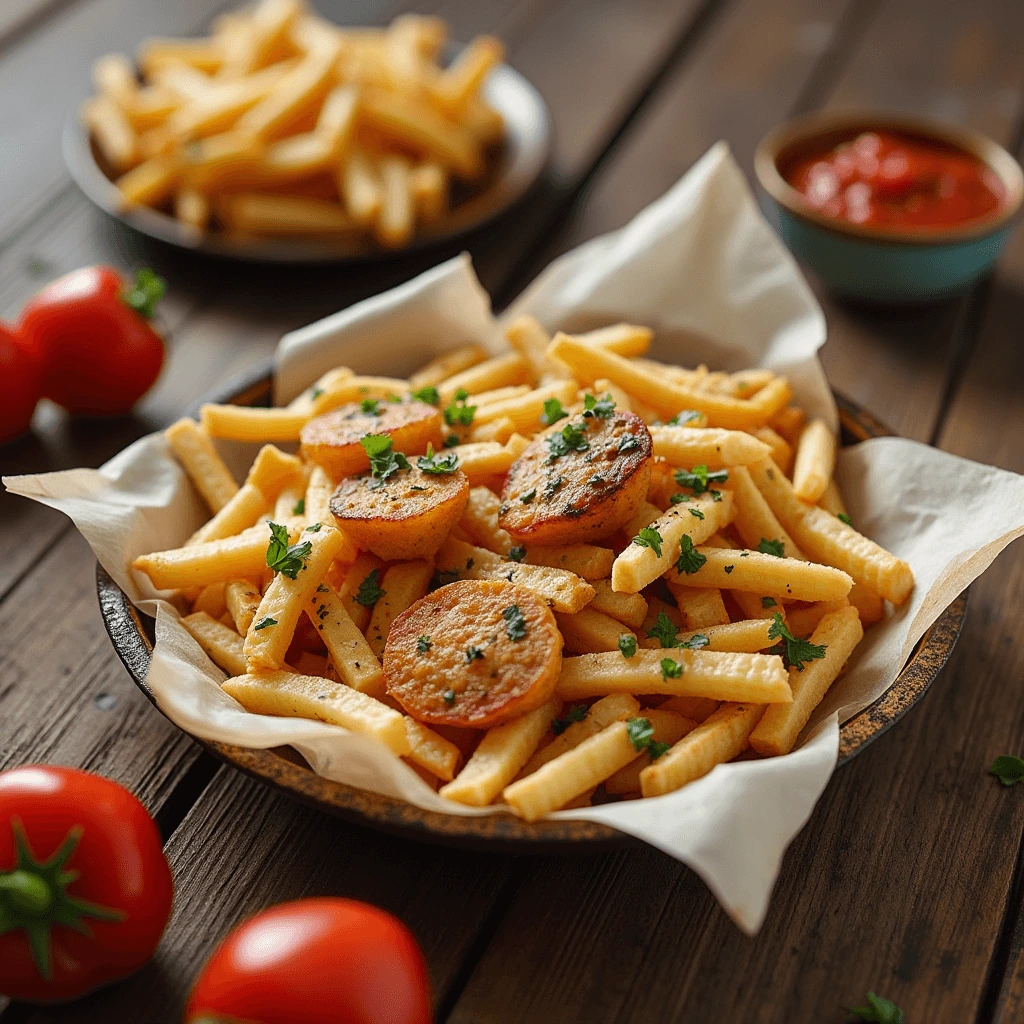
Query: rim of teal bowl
[799, 130]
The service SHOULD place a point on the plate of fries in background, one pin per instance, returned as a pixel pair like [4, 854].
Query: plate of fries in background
[282, 137]
[533, 586]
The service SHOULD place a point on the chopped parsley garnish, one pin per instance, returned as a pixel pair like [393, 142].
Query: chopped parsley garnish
[679, 498]
[428, 394]
[602, 407]
[423, 644]
[458, 413]
[552, 486]
[628, 442]
[663, 630]
[1007, 769]
[771, 547]
[515, 623]
[794, 652]
[568, 439]
[317, 392]
[690, 559]
[879, 1010]
[473, 653]
[627, 644]
[384, 463]
[699, 478]
[649, 537]
[518, 553]
[435, 465]
[696, 513]
[449, 697]
[682, 418]
[843, 517]
[729, 569]
[300, 507]
[553, 412]
[656, 749]
[575, 714]
[370, 406]
[695, 643]
[451, 441]
[369, 592]
[640, 732]
[315, 528]
[715, 495]
[263, 623]
[768, 602]
[285, 559]
[670, 669]
[529, 496]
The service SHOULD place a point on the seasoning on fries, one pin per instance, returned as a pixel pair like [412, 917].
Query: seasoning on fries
[622, 593]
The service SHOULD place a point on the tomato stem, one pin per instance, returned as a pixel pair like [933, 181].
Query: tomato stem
[146, 291]
[27, 892]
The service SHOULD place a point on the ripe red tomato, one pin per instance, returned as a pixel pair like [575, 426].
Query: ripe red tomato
[102, 353]
[316, 961]
[21, 383]
[85, 889]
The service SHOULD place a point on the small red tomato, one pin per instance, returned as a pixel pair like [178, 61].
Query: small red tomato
[21, 383]
[85, 889]
[102, 353]
[316, 961]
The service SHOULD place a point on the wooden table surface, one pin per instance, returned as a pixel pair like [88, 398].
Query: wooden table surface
[908, 879]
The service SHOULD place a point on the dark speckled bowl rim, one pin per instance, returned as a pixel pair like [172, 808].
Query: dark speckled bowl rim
[131, 634]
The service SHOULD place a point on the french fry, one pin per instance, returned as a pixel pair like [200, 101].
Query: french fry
[496, 372]
[499, 430]
[759, 573]
[815, 461]
[827, 538]
[355, 389]
[242, 598]
[557, 782]
[348, 592]
[719, 675]
[699, 709]
[360, 188]
[646, 514]
[869, 605]
[211, 600]
[289, 502]
[754, 606]
[525, 410]
[781, 449]
[747, 636]
[267, 214]
[803, 621]
[745, 383]
[480, 521]
[429, 183]
[625, 339]
[839, 632]
[317, 509]
[701, 607]
[831, 499]
[637, 565]
[656, 608]
[192, 208]
[240, 513]
[526, 335]
[352, 657]
[754, 520]
[588, 631]
[447, 365]
[113, 133]
[432, 751]
[708, 446]
[396, 219]
[789, 422]
[202, 54]
[462, 79]
[499, 756]
[585, 560]
[629, 609]
[563, 591]
[150, 183]
[246, 423]
[278, 614]
[720, 738]
[403, 584]
[115, 80]
[668, 728]
[272, 470]
[485, 459]
[296, 696]
[222, 644]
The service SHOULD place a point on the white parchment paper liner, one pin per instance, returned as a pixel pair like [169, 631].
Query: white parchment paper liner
[702, 267]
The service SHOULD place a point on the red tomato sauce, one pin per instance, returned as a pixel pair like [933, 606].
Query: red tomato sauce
[885, 179]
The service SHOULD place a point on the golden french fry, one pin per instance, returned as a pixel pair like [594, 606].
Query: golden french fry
[708, 446]
[446, 365]
[625, 339]
[396, 219]
[499, 756]
[359, 575]
[720, 738]
[483, 460]
[585, 560]
[267, 214]
[403, 584]
[192, 208]
[832, 498]
[211, 600]
[496, 372]
[193, 448]
[526, 335]
[754, 520]
[202, 54]
[789, 422]
[429, 184]
[781, 449]
[702, 607]
[112, 132]
[246, 423]
[699, 709]
[839, 632]
[431, 750]
[629, 609]
[480, 521]
[463, 77]
[803, 621]
[360, 188]
[668, 727]
[658, 609]
[242, 598]
[240, 513]
[869, 605]
[150, 183]
[352, 657]
[297, 696]
[589, 632]
[525, 410]
[815, 461]
[747, 636]
[719, 675]
[221, 643]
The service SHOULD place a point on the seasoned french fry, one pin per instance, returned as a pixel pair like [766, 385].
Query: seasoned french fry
[803, 621]
[839, 632]
[625, 339]
[499, 756]
[447, 365]
[269, 636]
[272, 470]
[781, 449]
[483, 460]
[221, 643]
[699, 709]
[480, 521]
[403, 585]
[789, 422]
[815, 461]
[668, 727]
[499, 430]
[754, 520]
[554, 784]
[357, 576]
[525, 410]
[719, 675]
[241, 512]
[869, 605]
[827, 538]
[242, 598]
[701, 606]
[657, 609]
[708, 446]
[720, 738]
[496, 372]
[585, 560]
[747, 636]
[832, 499]
[296, 696]
[352, 657]
[589, 632]
[431, 750]
[526, 335]
[629, 609]
[563, 591]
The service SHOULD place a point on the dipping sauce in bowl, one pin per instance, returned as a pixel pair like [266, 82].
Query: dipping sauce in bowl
[891, 180]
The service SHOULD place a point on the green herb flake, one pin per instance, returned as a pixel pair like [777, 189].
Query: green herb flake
[575, 714]
[436, 465]
[663, 630]
[317, 392]
[451, 441]
[696, 513]
[458, 413]
[729, 569]
[518, 553]
[627, 645]
[699, 478]
[423, 644]
[529, 496]
[282, 558]
[696, 642]
[771, 547]
[568, 439]
[300, 507]
[515, 622]
[794, 652]
[1008, 769]
[682, 418]
[640, 733]
[449, 697]
[369, 592]
[649, 537]
[879, 1010]
[670, 669]
[628, 442]
[844, 518]
[473, 654]
[429, 395]
[656, 749]
[264, 623]
[602, 408]
[384, 462]
[315, 528]
[553, 412]
[370, 407]
[768, 602]
[690, 559]
[679, 498]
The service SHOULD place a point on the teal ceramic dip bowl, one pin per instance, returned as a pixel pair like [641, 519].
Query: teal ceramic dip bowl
[880, 264]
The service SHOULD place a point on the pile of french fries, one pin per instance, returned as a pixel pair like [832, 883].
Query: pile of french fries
[283, 124]
[705, 628]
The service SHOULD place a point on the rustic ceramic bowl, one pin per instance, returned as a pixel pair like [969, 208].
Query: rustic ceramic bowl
[876, 263]
[132, 636]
